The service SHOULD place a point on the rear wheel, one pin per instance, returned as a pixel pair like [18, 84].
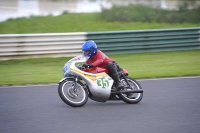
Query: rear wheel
[131, 98]
[73, 97]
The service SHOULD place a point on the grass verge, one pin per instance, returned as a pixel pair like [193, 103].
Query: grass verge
[91, 22]
[144, 65]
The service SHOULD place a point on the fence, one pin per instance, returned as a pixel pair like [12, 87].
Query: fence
[147, 40]
[14, 46]
[17, 46]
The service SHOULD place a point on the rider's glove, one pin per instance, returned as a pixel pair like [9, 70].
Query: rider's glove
[87, 65]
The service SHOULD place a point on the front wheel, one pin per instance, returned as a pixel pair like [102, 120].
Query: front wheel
[74, 97]
[131, 98]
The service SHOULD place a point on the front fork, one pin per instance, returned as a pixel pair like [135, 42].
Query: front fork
[75, 84]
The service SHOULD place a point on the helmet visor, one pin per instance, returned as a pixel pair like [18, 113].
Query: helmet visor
[86, 52]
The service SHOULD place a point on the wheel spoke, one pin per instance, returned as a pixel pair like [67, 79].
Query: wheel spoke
[131, 97]
[73, 96]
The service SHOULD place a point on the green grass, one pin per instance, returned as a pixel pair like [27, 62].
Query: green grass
[133, 17]
[91, 22]
[144, 65]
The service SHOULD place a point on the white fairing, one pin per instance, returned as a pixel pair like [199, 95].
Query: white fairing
[99, 84]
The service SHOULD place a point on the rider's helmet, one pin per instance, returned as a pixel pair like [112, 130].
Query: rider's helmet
[89, 48]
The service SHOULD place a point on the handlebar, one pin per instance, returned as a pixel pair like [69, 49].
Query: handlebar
[82, 68]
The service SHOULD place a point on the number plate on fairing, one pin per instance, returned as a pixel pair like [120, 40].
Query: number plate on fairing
[103, 82]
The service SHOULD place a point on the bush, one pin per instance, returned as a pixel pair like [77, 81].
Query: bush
[138, 13]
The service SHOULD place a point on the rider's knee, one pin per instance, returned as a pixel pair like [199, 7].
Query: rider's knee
[110, 64]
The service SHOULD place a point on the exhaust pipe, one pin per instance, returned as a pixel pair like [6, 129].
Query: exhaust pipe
[125, 92]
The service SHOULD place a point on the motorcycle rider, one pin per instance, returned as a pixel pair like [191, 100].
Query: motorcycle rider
[98, 59]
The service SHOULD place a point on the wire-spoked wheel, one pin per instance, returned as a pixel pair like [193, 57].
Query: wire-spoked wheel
[75, 97]
[131, 98]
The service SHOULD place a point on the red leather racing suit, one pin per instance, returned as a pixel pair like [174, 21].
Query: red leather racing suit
[99, 60]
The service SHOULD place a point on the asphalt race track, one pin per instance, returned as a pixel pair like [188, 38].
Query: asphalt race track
[168, 106]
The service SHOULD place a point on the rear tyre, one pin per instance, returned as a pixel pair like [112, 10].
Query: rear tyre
[131, 98]
[69, 96]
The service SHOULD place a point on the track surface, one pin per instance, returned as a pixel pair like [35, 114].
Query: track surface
[168, 106]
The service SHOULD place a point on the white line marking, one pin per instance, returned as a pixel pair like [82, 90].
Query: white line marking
[154, 79]
[34, 85]
[170, 78]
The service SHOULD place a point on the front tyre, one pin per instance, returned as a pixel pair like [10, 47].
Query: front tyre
[131, 98]
[71, 97]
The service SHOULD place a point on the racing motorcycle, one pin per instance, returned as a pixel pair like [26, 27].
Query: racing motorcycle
[79, 83]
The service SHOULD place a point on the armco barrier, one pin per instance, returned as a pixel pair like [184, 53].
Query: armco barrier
[137, 41]
[17, 46]
[14, 46]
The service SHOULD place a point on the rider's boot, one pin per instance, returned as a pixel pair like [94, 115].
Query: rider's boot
[118, 84]
[113, 73]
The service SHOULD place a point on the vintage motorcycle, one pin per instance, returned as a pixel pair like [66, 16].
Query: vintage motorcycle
[80, 83]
